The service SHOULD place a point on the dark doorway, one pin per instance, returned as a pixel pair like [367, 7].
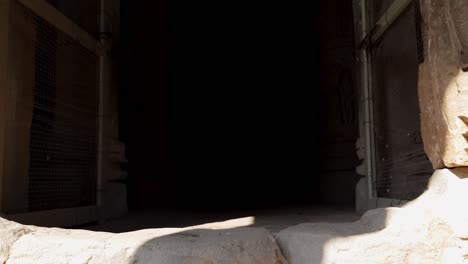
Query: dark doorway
[223, 104]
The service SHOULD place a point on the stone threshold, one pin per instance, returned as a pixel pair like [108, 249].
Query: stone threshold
[431, 229]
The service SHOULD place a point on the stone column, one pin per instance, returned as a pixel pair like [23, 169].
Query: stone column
[443, 82]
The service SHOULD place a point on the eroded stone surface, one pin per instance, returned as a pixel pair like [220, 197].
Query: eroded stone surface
[241, 245]
[196, 245]
[53, 245]
[431, 229]
[443, 85]
[10, 232]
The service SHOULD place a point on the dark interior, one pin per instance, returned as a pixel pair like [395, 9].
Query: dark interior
[238, 104]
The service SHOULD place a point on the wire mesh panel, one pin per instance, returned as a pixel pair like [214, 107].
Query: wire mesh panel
[403, 168]
[59, 106]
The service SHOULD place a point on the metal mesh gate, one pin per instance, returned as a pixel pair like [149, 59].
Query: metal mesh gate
[60, 103]
[403, 168]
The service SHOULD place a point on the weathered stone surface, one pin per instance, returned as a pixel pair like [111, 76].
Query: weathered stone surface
[52, 245]
[443, 85]
[362, 196]
[10, 232]
[431, 229]
[196, 245]
[243, 245]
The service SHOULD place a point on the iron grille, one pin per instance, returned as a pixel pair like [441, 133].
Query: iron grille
[403, 168]
[63, 111]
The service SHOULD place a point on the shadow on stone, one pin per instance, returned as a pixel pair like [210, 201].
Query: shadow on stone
[431, 229]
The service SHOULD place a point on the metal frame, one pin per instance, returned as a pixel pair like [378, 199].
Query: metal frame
[68, 216]
[4, 31]
[371, 34]
[102, 85]
[369, 107]
[366, 98]
[60, 21]
[389, 18]
[377, 31]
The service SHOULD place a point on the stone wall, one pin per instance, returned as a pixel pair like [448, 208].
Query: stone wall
[338, 107]
[443, 85]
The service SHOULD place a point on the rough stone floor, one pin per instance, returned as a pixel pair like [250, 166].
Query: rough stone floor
[272, 219]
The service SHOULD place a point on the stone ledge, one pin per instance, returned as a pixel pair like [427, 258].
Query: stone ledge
[195, 245]
[430, 229]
